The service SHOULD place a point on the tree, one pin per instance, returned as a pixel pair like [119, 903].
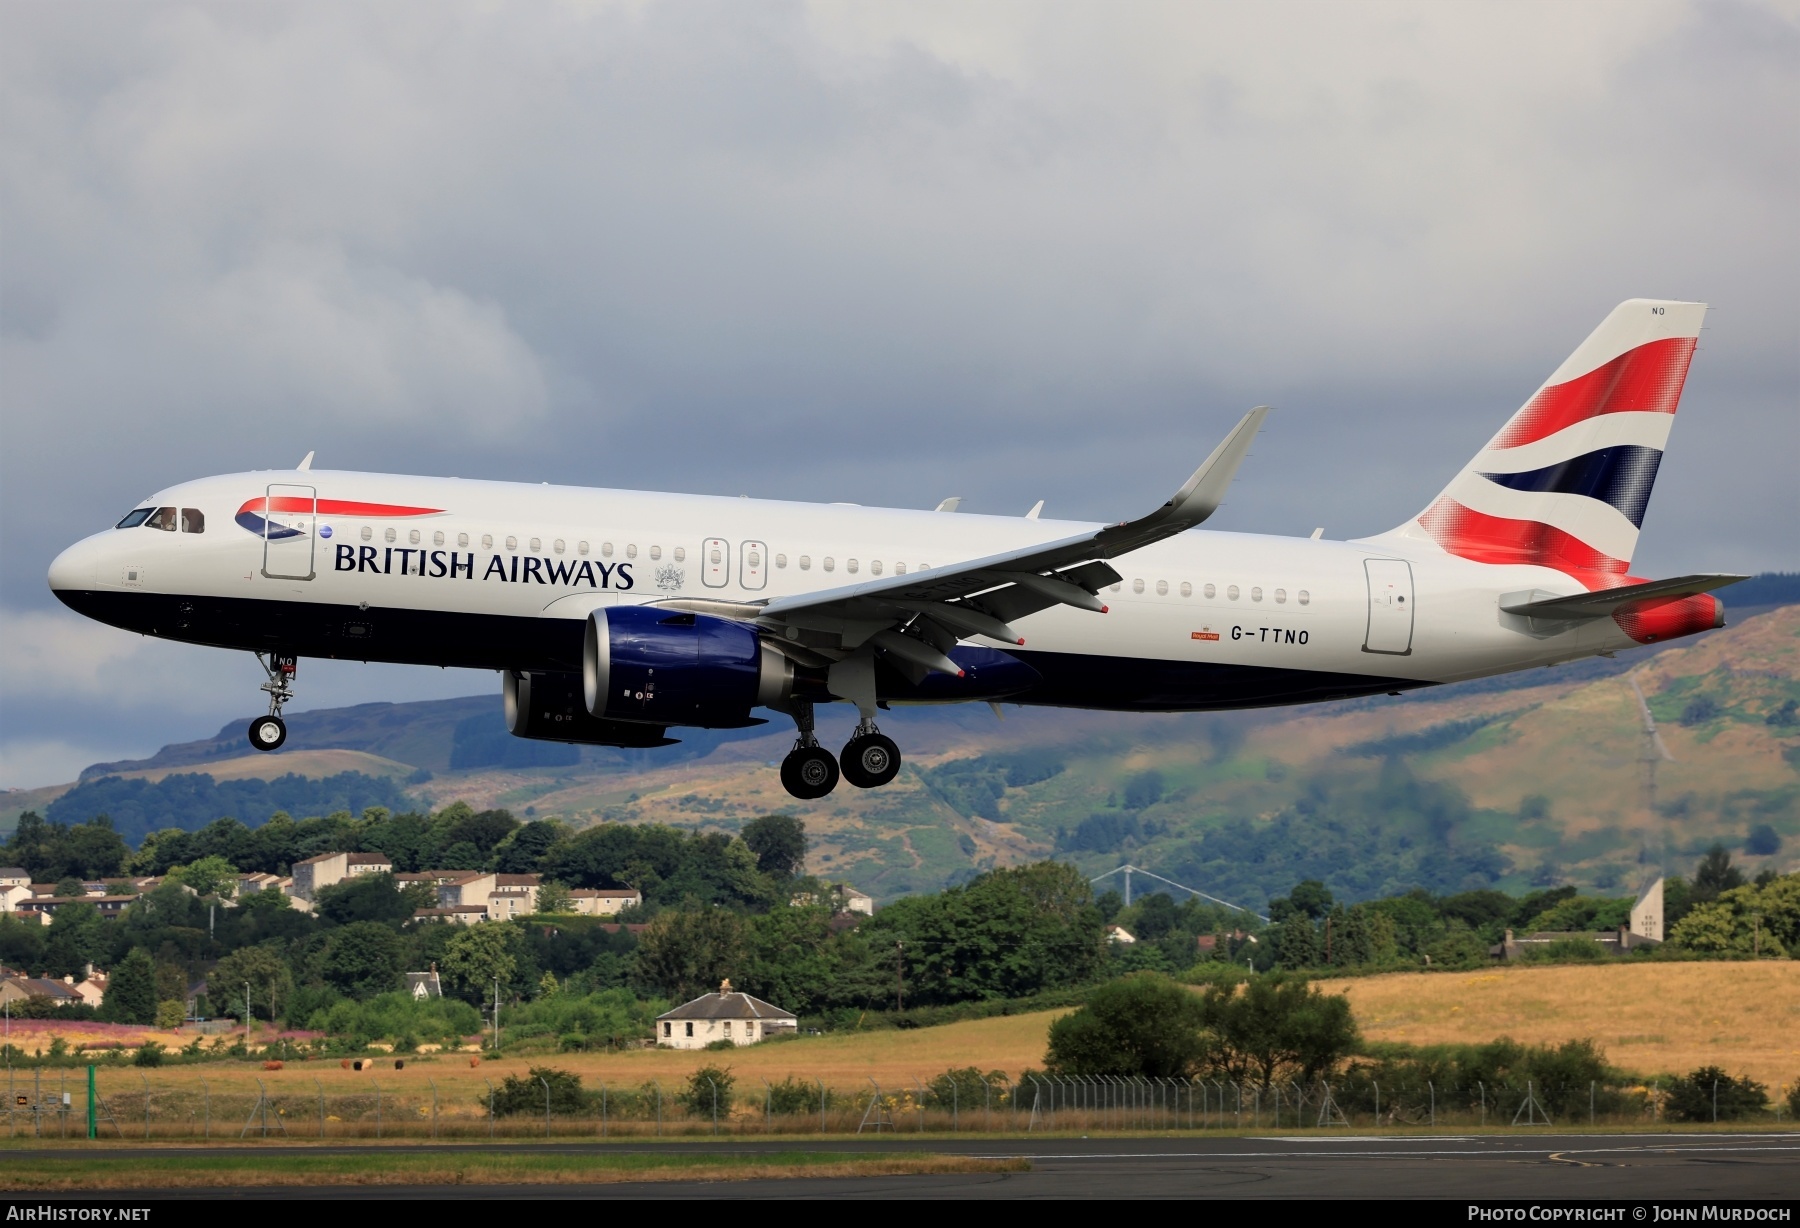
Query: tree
[1277, 1029]
[372, 897]
[476, 956]
[554, 897]
[1143, 790]
[77, 938]
[779, 842]
[131, 992]
[708, 1091]
[686, 953]
[1297, 942]
[1716, 875]
[1143, 1024]
[523, 851]
[543, 1089]
[210, 875]
[1699, 1095]
[262, 969]
[1155, 917]
[361, 959]
[69, 889]
[1764, 840]
[1310, 898]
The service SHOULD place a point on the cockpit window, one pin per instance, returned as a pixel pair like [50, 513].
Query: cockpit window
[192, 520]
[135, 518]
[162, 518]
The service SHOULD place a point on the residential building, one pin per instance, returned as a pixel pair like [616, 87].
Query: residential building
[44, 906]
[604, 902]
[328, 869]
[725, 1015]
[1119, 935]
[17, 988]
[92, 987]
[1611, 942]
[1647, 913]
[14, 876]
[12, 891]
[424, 985]
[856, 901]
[456, 914]
[503, 895]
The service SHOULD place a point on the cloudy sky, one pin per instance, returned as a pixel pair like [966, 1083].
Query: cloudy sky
[853, 251]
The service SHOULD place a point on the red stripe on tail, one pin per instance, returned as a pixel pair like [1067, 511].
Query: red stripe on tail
[1481, 538]
[1646, 380]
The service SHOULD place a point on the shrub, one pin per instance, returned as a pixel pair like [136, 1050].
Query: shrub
[792, 1097]
[1144, 1024]
[706, 1083]
[150, 1053]
[170, 1013]
[1793, 1100]
[1700, 710]
[1710, 1094]
[527, 1095]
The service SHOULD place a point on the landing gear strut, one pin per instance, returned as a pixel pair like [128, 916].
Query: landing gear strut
[809, 772]
[269, 732]
[870, 757]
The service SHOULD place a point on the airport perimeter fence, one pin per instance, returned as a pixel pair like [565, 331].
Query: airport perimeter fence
[128, 1106]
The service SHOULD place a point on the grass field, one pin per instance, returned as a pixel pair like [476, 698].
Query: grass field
[1649, 1018]
[174, 1170]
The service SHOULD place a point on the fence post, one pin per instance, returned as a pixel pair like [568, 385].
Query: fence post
[1431, 1089]
[546, 1083]
[206, 1104]
[490, 1084]
[1715, 1104]
[603, 1110]
[715, 1099]
[1590, 1102]
[433, 1083]
[658, 1086]
[146, 1083]
[1377, 1086]
[821, 1084]
[377, 1087]
[1483, 1087]
[321, 1088]
[921, 1088]
[955, 1115]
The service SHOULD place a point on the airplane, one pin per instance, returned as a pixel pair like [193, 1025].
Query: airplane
[614, 616]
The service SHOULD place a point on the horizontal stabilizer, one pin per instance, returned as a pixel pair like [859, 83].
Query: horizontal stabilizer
[1603, 603]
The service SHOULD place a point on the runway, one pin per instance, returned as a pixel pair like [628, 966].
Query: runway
[1622, 1167]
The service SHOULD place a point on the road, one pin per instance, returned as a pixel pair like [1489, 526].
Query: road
[1630, 1167]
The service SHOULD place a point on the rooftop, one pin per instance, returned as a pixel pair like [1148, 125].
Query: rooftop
[728, 1004]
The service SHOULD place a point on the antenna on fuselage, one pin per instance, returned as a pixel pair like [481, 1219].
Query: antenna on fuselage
[305, 463]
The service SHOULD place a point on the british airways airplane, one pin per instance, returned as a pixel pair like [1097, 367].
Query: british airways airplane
[614, 616]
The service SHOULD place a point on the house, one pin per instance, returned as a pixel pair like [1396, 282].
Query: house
[14, 876]
[328, 869]
[15, 885]
[604, 902]
[856, 901]
[45, 906]
[456, 914]
[422, 985]
[431, 878]
[92, 987]
[1611, 942]
[18, 988]
[248, 883]
[726, 1015]
[502, 895]
[1119, 935]
[1647, 913]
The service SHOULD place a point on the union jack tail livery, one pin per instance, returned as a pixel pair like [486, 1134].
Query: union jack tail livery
[1566, 481]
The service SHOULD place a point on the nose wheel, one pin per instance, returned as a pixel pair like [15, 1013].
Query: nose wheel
[269, 732]
[870, 758]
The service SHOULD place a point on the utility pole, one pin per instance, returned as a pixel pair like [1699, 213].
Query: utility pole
[1328, 938]
[246, 1018]
[899, 976]
[496, 1013]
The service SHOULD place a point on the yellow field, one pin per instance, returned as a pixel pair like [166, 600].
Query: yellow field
[1652, 1018]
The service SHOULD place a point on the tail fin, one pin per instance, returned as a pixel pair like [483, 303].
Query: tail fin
[1565, 482]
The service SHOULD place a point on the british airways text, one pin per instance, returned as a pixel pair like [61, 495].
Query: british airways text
[507, 568]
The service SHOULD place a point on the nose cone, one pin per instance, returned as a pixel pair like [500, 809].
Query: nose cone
[76, 568]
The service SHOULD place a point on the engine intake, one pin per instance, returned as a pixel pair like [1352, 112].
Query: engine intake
[549, 708]
[661, 667]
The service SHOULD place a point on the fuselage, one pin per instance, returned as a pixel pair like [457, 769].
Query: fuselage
[494, 575]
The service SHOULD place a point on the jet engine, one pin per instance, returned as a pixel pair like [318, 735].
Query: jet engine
[661, 667]
[549, 708]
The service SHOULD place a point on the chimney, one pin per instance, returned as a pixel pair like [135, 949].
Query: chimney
[1509, 936]
[725, 986]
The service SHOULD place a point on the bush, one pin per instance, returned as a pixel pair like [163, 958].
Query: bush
[170, 1014]
[968, 1088]
[792, 1097]
[518, 1096]
[1709, 1091]
[1793, 1100]
[1144, 1024]
[1699, 711]
[150, 1053]
[707, 1087]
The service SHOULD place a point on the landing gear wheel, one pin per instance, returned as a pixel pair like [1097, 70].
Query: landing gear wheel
[809, 772]
[870, 760]
[268, 732]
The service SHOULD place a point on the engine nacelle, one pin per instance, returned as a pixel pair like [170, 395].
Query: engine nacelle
[664, 667]
[550, 708]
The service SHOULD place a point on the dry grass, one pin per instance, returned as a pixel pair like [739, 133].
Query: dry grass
[1650, 1018]
[172, 1170]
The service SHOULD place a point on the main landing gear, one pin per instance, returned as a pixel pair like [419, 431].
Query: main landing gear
[269, 732]
[870, 759]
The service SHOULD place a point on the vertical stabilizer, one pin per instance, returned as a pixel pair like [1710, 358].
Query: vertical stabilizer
[1566, 481]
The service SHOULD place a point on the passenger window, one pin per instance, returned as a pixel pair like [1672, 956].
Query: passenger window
[135, 518]
[830, 563]
[1231, 592]
[1162, 588]
[1210, 592]
[655, 553]
[462, 539]
[1187, 590]
[558, 545]
[875, 568]
[631, 551]
[1280, 596]
[1305, 597]
[781, 560]
[1137, 586]
[512, 543]
[437, 539]
[368, 534]
[806, 562]
[487, 541]
[412, 538]
[581, 548]
[193, 520]
[389, 535]
[1256, 594]
[606, 550]
[850, 566]
[537, 545]
[681, 554]
[899, 569]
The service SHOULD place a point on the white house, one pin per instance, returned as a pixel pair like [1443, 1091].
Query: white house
[603, 902]
[329, 869]
[726, 1015]
[1120, 935]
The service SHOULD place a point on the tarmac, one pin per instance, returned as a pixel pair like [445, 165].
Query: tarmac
[1625, 1168]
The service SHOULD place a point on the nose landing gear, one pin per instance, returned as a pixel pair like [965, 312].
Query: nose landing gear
[809, 772]
[269, 732]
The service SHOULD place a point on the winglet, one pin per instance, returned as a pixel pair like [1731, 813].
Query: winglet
[1200, 496]
[949, 505]
[305, 463]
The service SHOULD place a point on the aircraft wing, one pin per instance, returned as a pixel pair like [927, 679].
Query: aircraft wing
[917, 618]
